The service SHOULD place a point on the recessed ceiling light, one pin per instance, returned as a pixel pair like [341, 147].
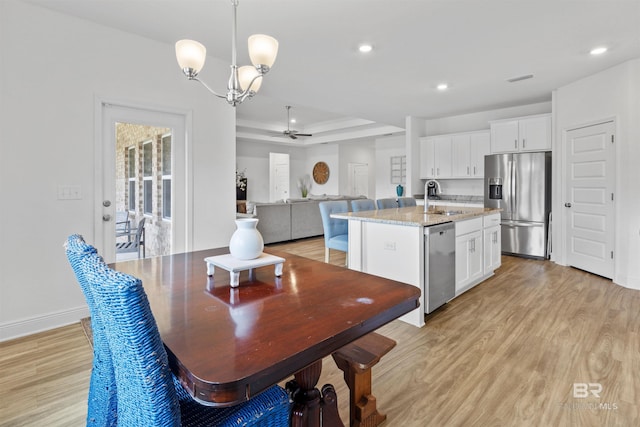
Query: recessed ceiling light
[442, 86]
[365, 48]
[598, 50]
[292, 120]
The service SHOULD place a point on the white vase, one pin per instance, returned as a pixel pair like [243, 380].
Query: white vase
[246, 242]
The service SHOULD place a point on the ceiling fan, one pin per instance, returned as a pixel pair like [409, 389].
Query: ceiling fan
[293, 134]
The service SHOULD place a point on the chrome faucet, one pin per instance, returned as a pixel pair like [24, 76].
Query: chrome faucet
[426, 197]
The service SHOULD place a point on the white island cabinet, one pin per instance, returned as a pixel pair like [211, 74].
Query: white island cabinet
[492, 243]
[392, 251]
[469, 254]
[390, 243]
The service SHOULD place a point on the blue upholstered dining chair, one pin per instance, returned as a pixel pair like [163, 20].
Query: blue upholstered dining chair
[387, 203]
[102, 400]
[359, 205]
[336, 231]
[404, 202]
[147, 392]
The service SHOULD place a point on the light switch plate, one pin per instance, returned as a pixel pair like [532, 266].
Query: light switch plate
[69, 192]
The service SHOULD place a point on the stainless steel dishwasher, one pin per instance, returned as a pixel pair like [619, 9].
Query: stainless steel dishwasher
[439, 265]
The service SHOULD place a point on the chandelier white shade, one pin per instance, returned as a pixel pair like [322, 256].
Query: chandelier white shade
[248, 74]
[244, 81]
[191, 55]
[263, 50]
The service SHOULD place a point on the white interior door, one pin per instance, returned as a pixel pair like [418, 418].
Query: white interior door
[358, 179]
[107, 115]
[589, 200]
[278, 176]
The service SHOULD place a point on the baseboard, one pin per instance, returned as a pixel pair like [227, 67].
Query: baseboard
[626, 281]
[21, 328]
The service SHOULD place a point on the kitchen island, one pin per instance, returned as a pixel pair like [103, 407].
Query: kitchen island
[391, 243]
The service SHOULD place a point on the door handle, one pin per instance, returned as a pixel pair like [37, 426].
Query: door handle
[106, 217]
[567, 205]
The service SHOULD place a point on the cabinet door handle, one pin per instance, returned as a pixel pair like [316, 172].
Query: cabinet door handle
[515, 143]
[474, 170]
[467, 170]
[438, 171]
[431, 171]
[524, 142]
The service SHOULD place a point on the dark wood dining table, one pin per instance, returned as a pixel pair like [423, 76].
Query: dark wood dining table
[228, 344]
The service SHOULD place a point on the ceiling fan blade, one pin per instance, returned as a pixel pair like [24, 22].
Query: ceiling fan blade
[303, 134]
[292, 136]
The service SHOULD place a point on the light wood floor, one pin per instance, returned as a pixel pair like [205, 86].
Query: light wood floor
[506, 353]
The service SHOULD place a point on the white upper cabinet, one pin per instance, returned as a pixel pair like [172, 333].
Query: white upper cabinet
[443, 156]
[480, 146]
[457, 155]
[535, 133]
[435, 157]
[427, 161]
[461, 155]
[532, 133]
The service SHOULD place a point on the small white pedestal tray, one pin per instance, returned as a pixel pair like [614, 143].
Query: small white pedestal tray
[234, 266]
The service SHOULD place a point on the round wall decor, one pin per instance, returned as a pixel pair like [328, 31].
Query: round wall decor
[321, 173]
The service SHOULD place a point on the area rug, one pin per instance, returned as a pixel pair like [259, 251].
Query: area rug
[86, 327]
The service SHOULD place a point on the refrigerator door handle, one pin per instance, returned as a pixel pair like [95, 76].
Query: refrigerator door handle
[521, 224]
[514, 188]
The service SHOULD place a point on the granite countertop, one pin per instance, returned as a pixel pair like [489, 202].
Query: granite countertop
[414, 216]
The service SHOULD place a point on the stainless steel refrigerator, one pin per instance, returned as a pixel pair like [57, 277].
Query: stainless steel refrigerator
[520, 185]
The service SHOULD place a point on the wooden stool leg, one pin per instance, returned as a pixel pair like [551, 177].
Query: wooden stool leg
[356, 361]
[362, 404]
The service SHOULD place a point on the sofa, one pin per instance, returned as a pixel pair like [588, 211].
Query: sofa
[291, 219]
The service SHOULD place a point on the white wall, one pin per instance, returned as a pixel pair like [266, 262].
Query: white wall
[52, 68]
[357, 152]
[613, 93]
[385, 149]
[253, 158]
[330, 154]
[480, 120]
[415, 129]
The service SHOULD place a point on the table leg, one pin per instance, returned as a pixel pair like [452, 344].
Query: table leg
[210, 269]
[235, 279]
[309, 402]
[278, 270]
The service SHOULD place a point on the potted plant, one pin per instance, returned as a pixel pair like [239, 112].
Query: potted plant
[304, 184]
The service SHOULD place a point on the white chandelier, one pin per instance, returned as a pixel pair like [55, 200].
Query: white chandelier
[245, 81]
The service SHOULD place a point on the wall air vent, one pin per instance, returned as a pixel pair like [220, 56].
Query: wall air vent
[520, 78]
